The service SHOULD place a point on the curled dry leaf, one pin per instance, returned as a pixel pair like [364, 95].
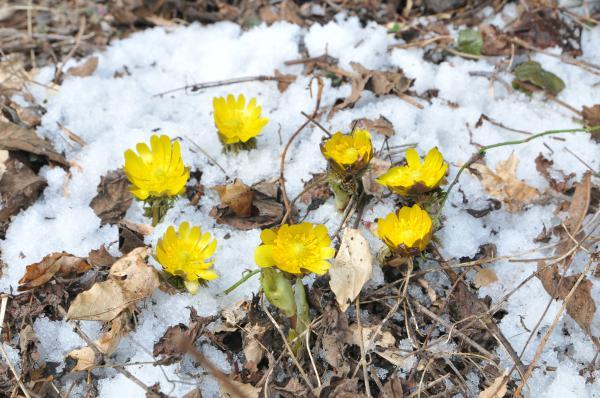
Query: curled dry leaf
[316, 191]
[352, 267]
[113, 198]
[107, 343]
[19, 187]
[253, 350]
[381, 125]
[17, 138]
[504, 185]
[85, 69]
[248, 390]
[591, 118]
[383, 339]
[494, 41]
[246, 208]
[130, 280]
[377, 168]
[283, 80]
[62, 264]
[175, 342]
[484, 277]
[497, 389]
[544, 166]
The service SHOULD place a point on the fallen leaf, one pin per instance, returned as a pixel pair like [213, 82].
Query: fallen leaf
[85, 69]
[101, 258]
[393, 388]
[379, 82]
[283, 80]
[175, 341]
[497, 389]
[248, 390]
[542, 28]
[381, 125]
[377, 168]
[591, 118]
[113, 198]
[130, 280]
[504, 185]
[17, 138]
[484, 277]
[316, 191]
[266, 208]
[253, 350]
[130, 237]
[107, 343]
[19, 187]
[543, 166]
[351, 268]
[384, 339]
[494, 41]
[469, 41]
[578, 208]
[13, 75]
[61, 264]
[531, 73]
[237, 196]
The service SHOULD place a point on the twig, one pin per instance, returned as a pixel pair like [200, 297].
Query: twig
[59, 69]
[217, 83]
[312, 360]
[198, 147]
[214, 371]
[287, 346]
[557, 318]
[312, 119]
[363, 354]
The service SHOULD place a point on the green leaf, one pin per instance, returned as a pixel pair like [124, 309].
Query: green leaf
[303, 316]
[532, 72]
[278, 290]
[469, 41]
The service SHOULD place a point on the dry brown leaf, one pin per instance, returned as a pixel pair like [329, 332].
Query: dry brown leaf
[497, 389]
[19, 186]
[578, 209]
[130, 280]
[61, 264]
[283, 80]
[591, 117]
[494, 41]
[581, 307]
[377, 168]
[484, 277]
[381, 125]
[504, 185]
[17, 138]
[101, 258]
[176, 340]
[393, 388]
[253, 350]
[383, 340]
[113, 198]
[543, 165]
[379, 82]
[317, 191]
[352, 267]
[333, 353]
[266, 208]
[237, 196]
[248, 390]
[13, 75]
[85, 69]
[107, 343]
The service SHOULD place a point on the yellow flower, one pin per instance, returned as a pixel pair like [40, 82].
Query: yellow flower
[416, 176]
[351, 150]
[235, 121]
[407, 232]
[186, 254]
[157, 171]
[295, 248]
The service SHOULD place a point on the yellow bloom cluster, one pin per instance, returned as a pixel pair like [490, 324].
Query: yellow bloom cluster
[349, 150]
[186, 253]
[406, 232]
[156, 171]
[236, 121]
[416, 177]
[295, 249]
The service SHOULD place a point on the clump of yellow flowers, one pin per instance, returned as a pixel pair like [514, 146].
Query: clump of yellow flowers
[186, 254]
[416, 177]
[407, 232]
[348, 157]
[157, 175]
[238, 123]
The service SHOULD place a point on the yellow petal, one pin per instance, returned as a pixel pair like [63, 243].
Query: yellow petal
[263, 256]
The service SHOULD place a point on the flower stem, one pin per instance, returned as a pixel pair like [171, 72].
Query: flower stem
[155, 214]
[244, 279]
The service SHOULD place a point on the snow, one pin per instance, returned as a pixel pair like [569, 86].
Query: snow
[113, 114]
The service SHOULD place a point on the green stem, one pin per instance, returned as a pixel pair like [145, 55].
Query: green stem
[482, 151]
[155, 213]
[244, 279]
